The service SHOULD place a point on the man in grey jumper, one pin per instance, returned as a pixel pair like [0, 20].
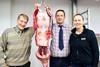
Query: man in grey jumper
[17, 43]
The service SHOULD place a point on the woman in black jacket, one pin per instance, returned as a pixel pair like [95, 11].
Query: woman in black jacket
[83, 45]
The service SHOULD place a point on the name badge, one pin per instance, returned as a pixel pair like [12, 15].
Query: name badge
[83, 38]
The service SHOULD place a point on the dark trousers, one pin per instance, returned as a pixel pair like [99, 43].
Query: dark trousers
[25, 65]
[59, 62]
[81, 65]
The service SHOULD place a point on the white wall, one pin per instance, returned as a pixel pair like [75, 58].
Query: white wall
[5, 14]
[94, 6]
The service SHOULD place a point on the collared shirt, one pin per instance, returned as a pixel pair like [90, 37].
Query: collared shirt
[18, 30]
[55, 51]
[17, 45]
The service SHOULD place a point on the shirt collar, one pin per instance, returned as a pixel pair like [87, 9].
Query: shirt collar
[63, 25]
[17, 29]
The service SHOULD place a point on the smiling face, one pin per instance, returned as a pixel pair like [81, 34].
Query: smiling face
[78, 21]
[60, 17]
[22, 21]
